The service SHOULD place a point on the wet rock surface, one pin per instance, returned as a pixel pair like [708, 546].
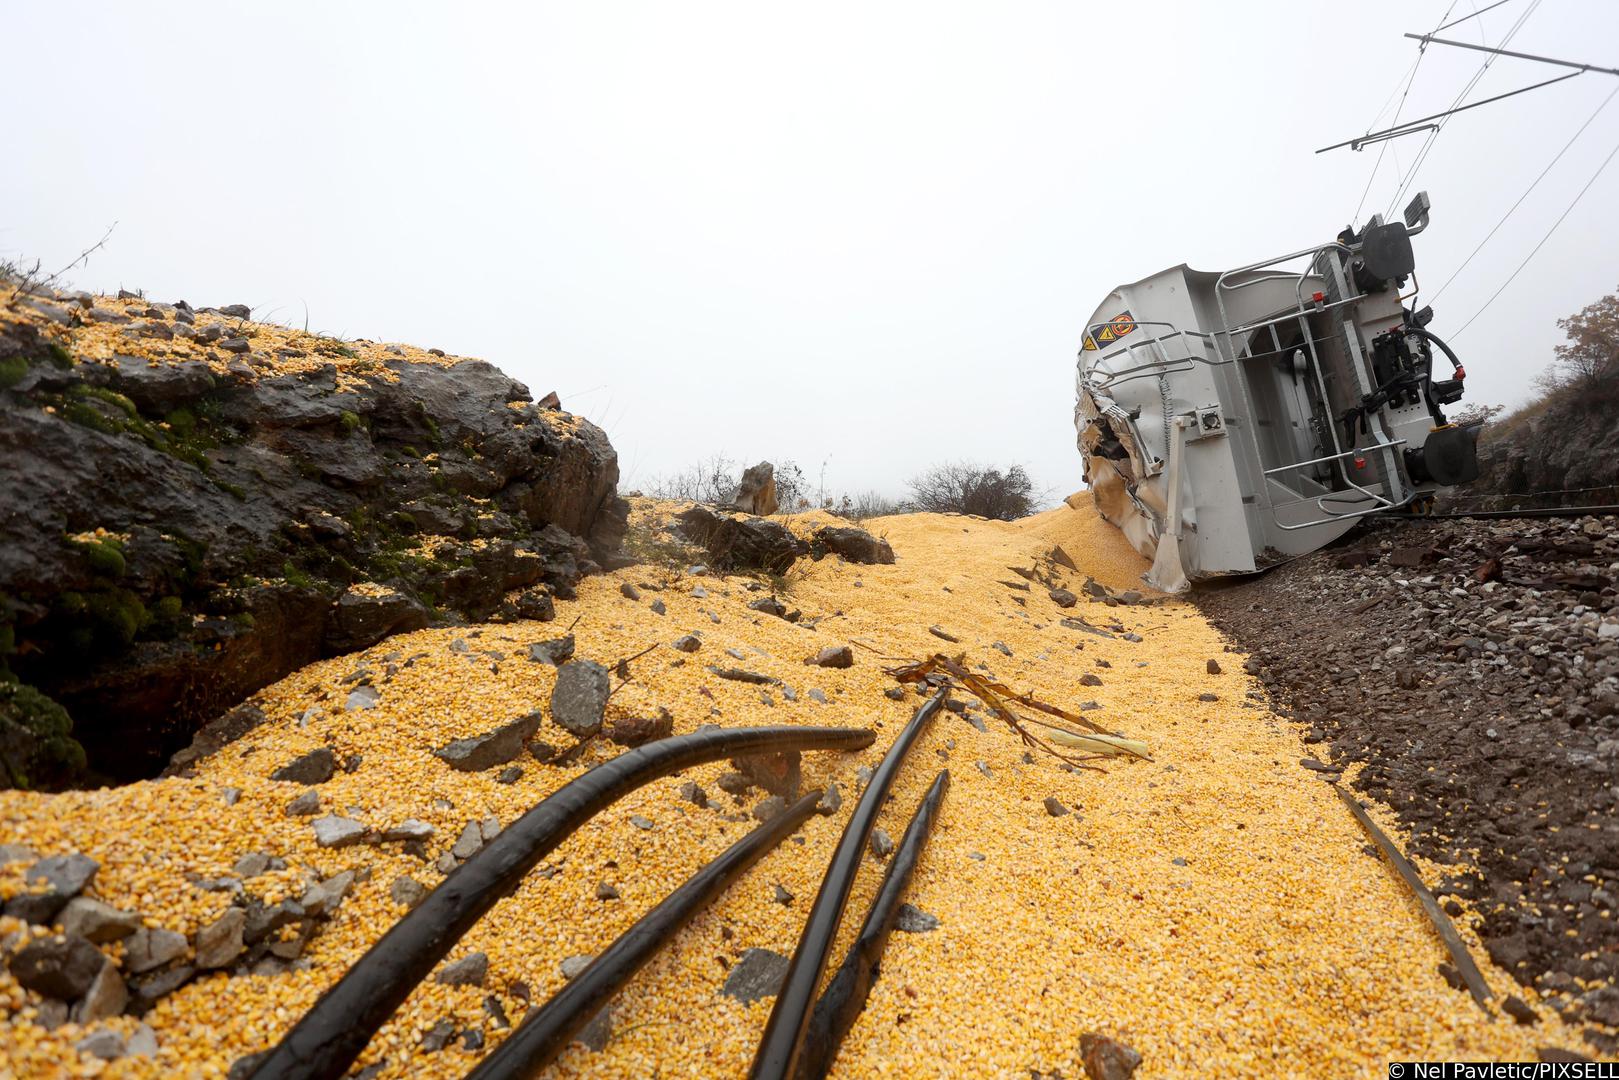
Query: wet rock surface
[179, 535]
[1473, 667]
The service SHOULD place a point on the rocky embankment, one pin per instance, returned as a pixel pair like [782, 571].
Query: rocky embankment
[193, 504]
[1560, 451]
[1472, 669]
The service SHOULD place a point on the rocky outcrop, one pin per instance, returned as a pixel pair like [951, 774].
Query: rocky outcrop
[756, 494]
[1561, 451]
[180, 527]
[855, 545]
[742, 543]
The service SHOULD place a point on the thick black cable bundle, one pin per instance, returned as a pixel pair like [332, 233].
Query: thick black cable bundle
[545, 1034]
[333, 1033]
[778, 1051]
[845, 996]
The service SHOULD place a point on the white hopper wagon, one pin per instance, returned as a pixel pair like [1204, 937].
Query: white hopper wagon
[1232, 420]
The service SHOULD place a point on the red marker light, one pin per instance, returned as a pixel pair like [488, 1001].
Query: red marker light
[1461, 372]
[1318, 297]
[1360, 463]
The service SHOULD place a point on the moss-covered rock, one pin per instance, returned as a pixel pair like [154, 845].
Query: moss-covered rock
[37, 747]
[179, 534]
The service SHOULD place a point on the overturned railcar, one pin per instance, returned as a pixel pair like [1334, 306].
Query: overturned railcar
[1231, 420]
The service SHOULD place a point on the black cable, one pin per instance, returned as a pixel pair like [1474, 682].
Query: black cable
[546, 1032]
[325, 1042]
[1433, 338]
[1434, 410]
[777, 1056]
[846, 994]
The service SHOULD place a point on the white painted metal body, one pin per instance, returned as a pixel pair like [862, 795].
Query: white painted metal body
[1210, 413]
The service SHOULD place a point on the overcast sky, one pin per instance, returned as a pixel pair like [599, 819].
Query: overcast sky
[865, 235]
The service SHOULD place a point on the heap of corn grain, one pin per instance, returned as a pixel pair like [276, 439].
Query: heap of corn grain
[1212, 907]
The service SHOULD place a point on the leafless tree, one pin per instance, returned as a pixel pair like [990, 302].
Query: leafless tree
[792, 489]
[711, 480]
[967, 488]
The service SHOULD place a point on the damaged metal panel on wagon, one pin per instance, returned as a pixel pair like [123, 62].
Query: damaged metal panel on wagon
[1228, 421]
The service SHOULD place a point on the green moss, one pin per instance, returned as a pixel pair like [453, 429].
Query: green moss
[235, 490]
[117, 615]
[168, 619]
[187, 436]
[106, 557]
[351, 421]
[111, 397]
[192, 551]
[100, 623]
[58, 355]
[89, 416]
[182, 422]
[296, 577]
[37, 736]
[12, 369]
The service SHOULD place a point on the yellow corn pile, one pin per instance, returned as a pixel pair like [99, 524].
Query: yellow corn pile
[1211, 907]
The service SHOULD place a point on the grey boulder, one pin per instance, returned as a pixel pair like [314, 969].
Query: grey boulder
[497, 747]
[758, 974]
[59, 967]
[580, 697]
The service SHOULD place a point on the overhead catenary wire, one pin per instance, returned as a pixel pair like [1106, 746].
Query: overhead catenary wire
[1427, 145]
[1475, 14]
[1511, 209]
[1383, 149]
[1423, 123]
[1560, 218]
[1410, 80]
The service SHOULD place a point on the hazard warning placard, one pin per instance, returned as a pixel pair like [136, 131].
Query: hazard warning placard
[1112, 330]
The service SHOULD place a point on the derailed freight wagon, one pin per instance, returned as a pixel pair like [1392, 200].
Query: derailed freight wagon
[1231, 420]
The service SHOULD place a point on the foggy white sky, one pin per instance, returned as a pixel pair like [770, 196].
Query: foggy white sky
[866, 234]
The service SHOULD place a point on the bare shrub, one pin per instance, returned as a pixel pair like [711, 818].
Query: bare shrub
[714, 480]
[967, 488]
[869, 504]
[711, 480]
